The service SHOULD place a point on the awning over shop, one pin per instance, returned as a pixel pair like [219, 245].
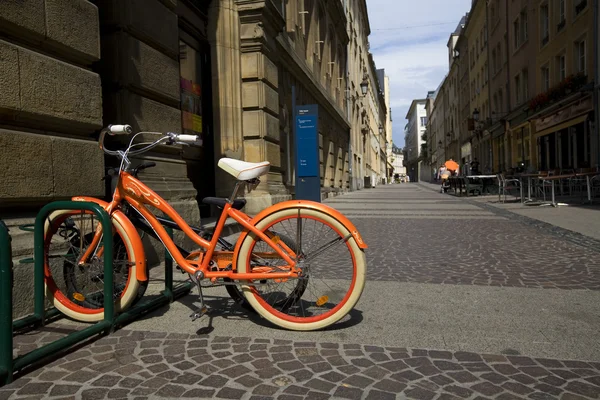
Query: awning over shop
[563, 118]
[561, 126]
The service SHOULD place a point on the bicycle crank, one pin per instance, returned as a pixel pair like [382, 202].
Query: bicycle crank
[199, 312]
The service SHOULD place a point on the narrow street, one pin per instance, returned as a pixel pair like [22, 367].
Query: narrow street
[463, 300]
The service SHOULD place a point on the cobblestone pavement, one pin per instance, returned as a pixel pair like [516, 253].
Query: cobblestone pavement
[464, 248]
[138, 364]
[415, 236]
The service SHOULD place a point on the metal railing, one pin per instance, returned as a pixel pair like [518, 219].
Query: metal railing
[40, 316]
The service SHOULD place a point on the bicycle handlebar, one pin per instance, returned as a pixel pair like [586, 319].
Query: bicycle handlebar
[119, 130]
[186, 138]
[166, 138]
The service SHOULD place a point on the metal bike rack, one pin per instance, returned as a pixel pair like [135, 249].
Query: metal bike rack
[8, 365]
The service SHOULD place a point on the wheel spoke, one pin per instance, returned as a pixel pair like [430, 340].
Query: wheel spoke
[326, 246]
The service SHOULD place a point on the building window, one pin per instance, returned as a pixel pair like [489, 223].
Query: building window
[525, 83]
[190, 66]
[524, 25]
[580, 5]
[518, 89]
[561, 67]
[495, 103]
[499, 55]
[485, 69]
[500, 102]
[545, 78]
[580, 56]
[562, 15]
[544, 24]
[423, 121]
[520, 29]
[516, 33]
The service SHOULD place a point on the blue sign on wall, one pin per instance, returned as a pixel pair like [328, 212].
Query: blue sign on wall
[308, 184]
[307, 143]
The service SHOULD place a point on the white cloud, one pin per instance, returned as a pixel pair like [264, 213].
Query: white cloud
[415, 58]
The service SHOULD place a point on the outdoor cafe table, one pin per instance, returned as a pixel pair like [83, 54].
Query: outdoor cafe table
[588, 179]
[482, 177]
[528, 176]
[553, 178]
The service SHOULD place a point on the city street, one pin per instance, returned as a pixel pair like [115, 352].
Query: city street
[463, 300]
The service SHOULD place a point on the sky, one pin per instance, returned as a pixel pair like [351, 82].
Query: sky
[408, 38]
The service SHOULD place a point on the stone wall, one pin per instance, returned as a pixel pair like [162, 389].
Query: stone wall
[140, 79]
[50, 105]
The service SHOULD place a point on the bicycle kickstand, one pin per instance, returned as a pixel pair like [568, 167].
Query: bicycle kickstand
[199, 312]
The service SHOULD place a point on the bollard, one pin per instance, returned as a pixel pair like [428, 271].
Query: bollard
[6, 326]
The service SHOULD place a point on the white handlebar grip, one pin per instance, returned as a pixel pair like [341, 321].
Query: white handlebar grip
[188, 138]
[120, 129]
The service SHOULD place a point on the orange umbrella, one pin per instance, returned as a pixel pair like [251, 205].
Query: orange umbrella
[451, 165]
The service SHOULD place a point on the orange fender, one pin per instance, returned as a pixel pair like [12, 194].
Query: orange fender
[313, 205]
[306, 204]
[136, 241]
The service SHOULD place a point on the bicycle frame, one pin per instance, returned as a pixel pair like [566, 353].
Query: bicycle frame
[138, 195]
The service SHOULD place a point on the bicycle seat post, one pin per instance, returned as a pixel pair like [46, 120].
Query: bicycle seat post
[235, 191]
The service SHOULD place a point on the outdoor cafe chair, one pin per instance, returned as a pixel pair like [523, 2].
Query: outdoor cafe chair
[506, 185]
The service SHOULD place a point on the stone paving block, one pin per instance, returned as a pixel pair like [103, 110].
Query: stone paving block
[245, 367]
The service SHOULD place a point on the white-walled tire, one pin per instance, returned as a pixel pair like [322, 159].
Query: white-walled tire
[317, 295]
[58, 291]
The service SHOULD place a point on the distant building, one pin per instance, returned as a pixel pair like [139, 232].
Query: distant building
[417, 122]
[397, 161]
[384, 82]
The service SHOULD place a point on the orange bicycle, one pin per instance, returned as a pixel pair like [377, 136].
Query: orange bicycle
[300, 264]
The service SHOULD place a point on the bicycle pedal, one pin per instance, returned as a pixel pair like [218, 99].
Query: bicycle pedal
[198, 313]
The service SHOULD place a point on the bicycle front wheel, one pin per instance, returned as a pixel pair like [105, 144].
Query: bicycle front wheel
[77, 289]
[333, 270]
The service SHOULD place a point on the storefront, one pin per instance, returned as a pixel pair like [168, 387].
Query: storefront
[520, 139]
[563, 138]
[465, 154]
[497, 143]
[484, 152]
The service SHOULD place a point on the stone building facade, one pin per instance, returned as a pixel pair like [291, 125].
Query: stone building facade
[436, 125]
[460, 136]
[498, 48]
[222, 69]
[452, 95]
[476, 34]
[413, 138]
[562, 134]
[366, 111]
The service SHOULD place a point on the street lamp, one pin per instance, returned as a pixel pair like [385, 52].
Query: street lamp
[476, 115]
[380, 129]
[440, 144]
[363, 86]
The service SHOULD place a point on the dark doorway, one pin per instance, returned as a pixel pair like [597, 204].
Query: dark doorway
[196, 100]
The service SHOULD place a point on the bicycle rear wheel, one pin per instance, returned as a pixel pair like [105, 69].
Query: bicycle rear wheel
[333, 265]
[77, 290]
[294, 291]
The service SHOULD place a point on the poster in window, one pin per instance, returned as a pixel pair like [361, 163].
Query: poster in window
[191, 90]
